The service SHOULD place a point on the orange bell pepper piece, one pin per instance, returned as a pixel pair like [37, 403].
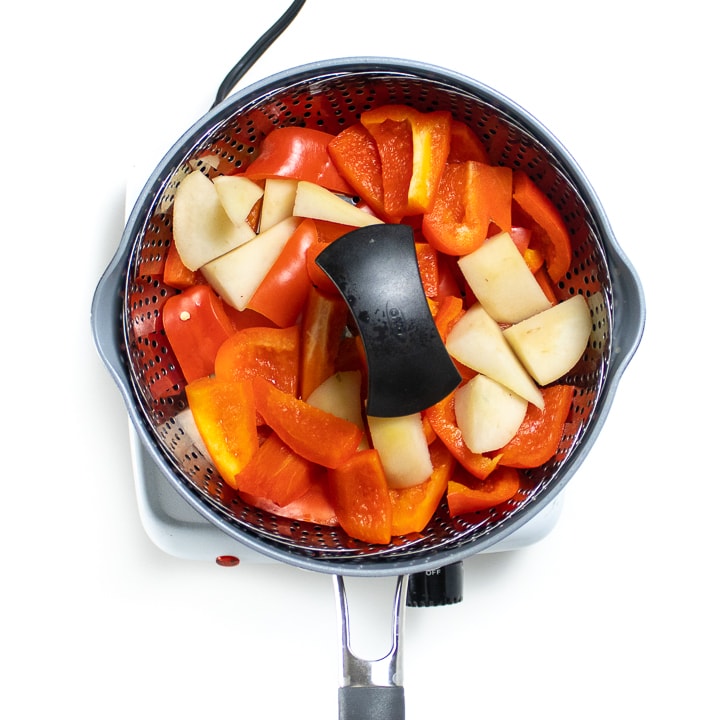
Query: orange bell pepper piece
[272, 353]
[449, 312]
[474, 494]
[323, 325]
[356, 157]
[276, 473]
[458, 220]
[549, 227]
[442, 418]
[428, 266]
[413, 148]
[313, 507]
[465, 144]
[362, 498]
[413, 507]
[196, 325]
[224, 412]
[537, 440]
[314, 434]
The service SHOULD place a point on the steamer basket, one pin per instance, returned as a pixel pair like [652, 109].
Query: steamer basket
[330, 96]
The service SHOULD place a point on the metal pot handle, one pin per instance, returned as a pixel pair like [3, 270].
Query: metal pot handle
[371, 689]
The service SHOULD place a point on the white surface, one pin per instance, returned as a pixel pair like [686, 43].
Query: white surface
[614, 615]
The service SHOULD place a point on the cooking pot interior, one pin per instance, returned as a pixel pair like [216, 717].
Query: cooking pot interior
[331, 97]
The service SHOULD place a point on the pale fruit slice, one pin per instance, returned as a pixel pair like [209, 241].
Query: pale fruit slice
[278, 201]
[341, 395]
[318, 203]
[238, 196]
[550, 343]
[488, 414]
[236, 275]
[501, 280]
[202, 229]
[403, 449]
[477, 341]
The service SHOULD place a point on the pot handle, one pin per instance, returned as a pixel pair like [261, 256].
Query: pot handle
[371, 689]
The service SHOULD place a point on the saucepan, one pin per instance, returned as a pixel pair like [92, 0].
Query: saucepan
[127, 307]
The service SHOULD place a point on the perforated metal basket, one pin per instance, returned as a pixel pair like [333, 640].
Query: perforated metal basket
[330, 96]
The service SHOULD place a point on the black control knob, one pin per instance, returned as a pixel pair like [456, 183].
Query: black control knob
[432, 588]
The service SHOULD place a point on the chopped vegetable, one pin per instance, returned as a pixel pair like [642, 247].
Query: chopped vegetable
[275, 373]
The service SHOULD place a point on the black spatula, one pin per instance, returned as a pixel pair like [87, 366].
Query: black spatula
[376, 271]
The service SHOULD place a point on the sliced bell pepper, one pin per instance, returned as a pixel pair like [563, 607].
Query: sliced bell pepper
[413, 507]
[176, 274]
[465, 144]
[268, 352]
[355, 154]
[495, 185]
[224, 412]
[537, 440]
[276, 473]
[428, 266]
[323, 324]
[474, 494]
[449, 312]
[298, 153]
[549, 227]
[316, 435]
[362, 498]
[196, 325]
[413, 148]
[458, 220]
[319, 277]
[442, 418]
[547, 285]
[282, 293]
[314, 506]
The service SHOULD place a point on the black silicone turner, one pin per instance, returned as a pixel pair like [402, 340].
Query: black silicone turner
[376, 271]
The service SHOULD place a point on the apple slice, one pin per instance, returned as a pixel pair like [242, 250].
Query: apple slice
[318, 203]
[238, 196]
[236, 275]
[403, 449]
[488, 414]
[501, 280]
[202, 229]
[550, 343]
[477, 341]
[278, 201]
[341, 395]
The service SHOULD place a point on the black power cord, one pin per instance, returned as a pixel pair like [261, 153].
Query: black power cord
[256, 51]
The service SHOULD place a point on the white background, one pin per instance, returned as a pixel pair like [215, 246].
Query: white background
[614, 615]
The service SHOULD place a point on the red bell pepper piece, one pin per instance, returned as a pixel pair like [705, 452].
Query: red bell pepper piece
[413, 148]
[276, 473]
[283, 291]
[196, 325]
[495, 185]
[474, 494]
[413, 507]
[268, 352]
[314, 434]
[541, 431]
[224, 412]
[323, 324]
[457, 222]
[176, 274]
[298, 153]
[548, 226]
[318, 277]
[356, 157]
[442, 419]
[362, 499]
